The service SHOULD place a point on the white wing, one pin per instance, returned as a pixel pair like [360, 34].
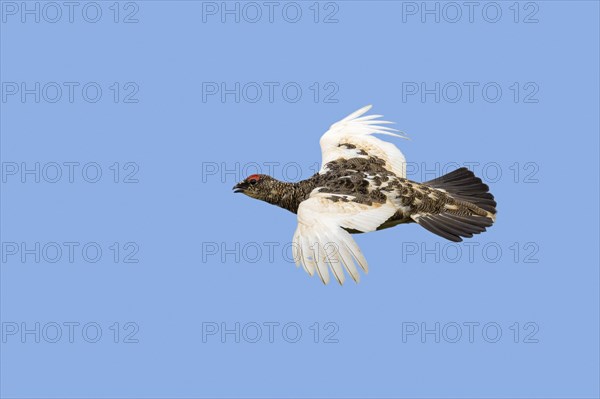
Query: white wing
[321, 241]
[357, 131]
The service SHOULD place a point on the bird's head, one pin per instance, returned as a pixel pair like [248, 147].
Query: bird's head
[262, 187]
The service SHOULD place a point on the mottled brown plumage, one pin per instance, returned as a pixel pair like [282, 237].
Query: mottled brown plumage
[367, 181]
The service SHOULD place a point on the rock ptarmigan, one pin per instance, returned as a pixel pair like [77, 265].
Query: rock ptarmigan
[362, 187]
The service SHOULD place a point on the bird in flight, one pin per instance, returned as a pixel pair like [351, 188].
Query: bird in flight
[362, 187]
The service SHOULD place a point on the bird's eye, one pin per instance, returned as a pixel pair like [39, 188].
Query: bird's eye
[252, 179]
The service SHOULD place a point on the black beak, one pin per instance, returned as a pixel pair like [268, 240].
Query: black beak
[240, 187]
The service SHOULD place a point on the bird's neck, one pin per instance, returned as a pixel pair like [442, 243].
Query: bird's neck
[289, 195]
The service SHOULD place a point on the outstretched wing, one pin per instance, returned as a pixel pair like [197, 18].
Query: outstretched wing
[352, 137]
[321, 241]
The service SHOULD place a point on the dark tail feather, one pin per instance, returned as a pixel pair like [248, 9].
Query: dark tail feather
[463, 185]
[465, 220]
[453, 227]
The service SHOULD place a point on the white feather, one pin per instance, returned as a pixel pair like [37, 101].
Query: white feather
[321, 234]
[358, 130]
[321, 242]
